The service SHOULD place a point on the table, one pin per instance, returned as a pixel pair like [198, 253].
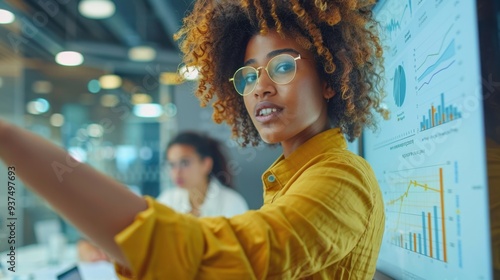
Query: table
[32, 262]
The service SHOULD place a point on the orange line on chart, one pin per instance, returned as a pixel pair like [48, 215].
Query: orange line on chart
[415, 184]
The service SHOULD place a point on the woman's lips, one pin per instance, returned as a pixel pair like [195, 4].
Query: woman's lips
[179, 182]
[267, 111]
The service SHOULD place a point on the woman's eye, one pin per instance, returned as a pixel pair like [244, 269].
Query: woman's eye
[250, 78]
[184, 163]
[284, 67]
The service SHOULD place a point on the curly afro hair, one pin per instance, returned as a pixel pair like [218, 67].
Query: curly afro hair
[341, 34]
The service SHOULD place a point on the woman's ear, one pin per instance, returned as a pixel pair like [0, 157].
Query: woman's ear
[208, 164]
[328, 91]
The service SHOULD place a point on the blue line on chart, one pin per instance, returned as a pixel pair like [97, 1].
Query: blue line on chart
[448, 53]
[442, 69]
[440, 48]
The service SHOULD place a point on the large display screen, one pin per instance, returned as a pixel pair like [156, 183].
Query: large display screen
[429, 157]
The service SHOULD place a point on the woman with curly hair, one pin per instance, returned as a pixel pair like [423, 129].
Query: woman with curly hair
[301, 74]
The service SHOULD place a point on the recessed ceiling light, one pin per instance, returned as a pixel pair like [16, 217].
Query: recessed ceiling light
[109, 100]
[42, 87]
[38, 106]
[150, 110]
[96, 9]
[171, 78]
[141, 98]
[142, 53]
[69, 58]
[6, 17]
[110, 81]
[189, 73]
[57, 120]
[94, 86]
[95, 130]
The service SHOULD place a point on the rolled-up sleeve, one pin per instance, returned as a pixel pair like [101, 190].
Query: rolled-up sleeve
[315, 224]
[161, 243]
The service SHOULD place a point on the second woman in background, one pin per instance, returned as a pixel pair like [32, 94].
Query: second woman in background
[203, 182]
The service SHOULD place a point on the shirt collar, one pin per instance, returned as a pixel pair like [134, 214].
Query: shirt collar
[278, 174]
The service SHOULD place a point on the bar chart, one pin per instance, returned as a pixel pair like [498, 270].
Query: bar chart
[428, 157]
[440, 114]
[417, 213]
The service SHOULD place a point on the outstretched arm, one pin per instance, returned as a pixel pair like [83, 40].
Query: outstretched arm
[97, 205]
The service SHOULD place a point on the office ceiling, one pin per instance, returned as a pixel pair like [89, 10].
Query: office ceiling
[45, 27]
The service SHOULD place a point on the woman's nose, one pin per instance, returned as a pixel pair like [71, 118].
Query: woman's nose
[175, 171]
[264, 85]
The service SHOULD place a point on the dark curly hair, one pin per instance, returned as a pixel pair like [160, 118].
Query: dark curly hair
[207, 146]
[341, 34]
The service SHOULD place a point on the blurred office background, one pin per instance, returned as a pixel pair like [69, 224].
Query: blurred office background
[99, 78]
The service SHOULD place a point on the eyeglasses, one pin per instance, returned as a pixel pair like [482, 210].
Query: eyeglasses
[281, 69]
[181, 164]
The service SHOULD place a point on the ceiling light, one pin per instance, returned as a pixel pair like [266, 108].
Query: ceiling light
[42, 87]
[38, 106]
[171, 78]
[95, 130]
[57, 120]
[141, 98]
[6, 17]
[69, 58]
[96, 9]
[94, 86]
[109, 100]
[150, 110]
[110, 81]
[142, 53]
[189, 73]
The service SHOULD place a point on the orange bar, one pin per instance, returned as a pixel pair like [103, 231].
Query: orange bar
[430, 232]
[433, 111]
[441, 190]
[451, 116]
[414, 242]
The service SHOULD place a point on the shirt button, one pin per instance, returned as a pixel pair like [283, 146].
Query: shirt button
[271, 178]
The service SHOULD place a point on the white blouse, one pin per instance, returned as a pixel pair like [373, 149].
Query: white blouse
[219, 200]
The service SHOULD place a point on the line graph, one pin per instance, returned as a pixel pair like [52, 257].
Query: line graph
[434, 74]
[434, 185]
[400, 14]
[448, 53]
[416, 213]
[438, 51]
[437, 59]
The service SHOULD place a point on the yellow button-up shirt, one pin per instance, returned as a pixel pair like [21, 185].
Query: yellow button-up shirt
[322, 218]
